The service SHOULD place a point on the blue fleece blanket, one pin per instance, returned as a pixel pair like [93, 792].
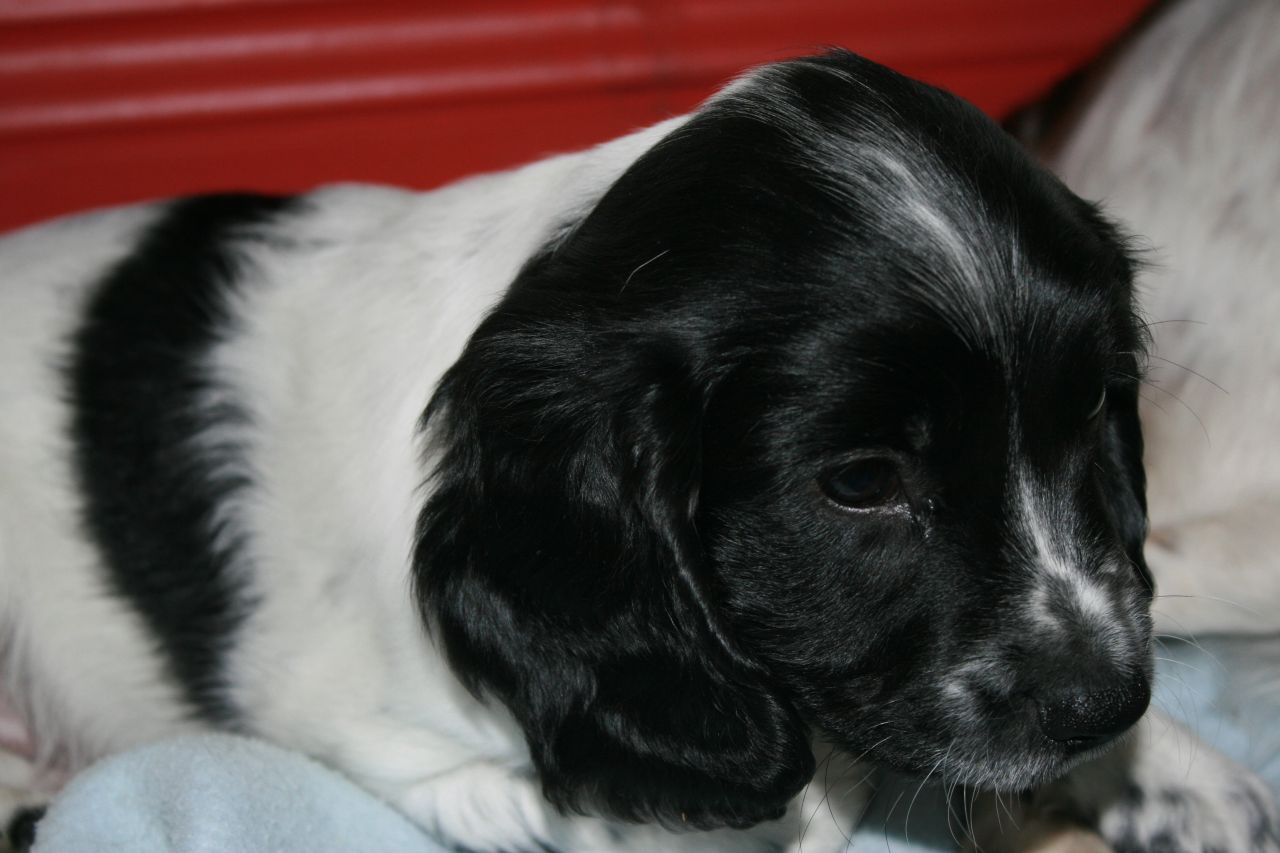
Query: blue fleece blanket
[223, 793]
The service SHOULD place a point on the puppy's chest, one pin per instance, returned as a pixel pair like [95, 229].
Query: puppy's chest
[334, 658]
[333, 655]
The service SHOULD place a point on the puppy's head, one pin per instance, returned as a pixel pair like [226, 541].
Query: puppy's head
[824, 416]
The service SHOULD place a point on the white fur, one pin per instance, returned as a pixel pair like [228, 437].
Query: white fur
[1039, 514]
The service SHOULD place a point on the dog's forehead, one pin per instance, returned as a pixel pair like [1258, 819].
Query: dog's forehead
[936, 270]
[931, 202]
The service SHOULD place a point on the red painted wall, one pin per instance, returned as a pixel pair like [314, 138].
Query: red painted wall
[107, 101]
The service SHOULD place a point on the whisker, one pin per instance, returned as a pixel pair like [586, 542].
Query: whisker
[1191, 371]
[1162, 322]
[826, 783]
[1189, 666]
[1190, 638]
[1146, 577]
[1183, 402]
[887, 845]
[849, 843]
[1181, 696]
[949, 794]
[1152, 402]
[906, 823]
[825, 763]
[875, 745]
[971, 802]
[1007, 810]
[1218, 599]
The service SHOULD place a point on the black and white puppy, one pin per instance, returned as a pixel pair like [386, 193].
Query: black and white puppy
[598, 487]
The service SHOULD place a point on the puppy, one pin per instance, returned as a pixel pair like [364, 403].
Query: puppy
[564, 507]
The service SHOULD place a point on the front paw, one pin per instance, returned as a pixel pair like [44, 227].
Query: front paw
[1164, 791]
[1229, 814]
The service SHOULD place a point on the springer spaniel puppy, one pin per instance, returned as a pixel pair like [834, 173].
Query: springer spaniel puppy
[566, 508]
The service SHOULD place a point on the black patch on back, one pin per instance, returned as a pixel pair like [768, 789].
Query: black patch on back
[138, 392]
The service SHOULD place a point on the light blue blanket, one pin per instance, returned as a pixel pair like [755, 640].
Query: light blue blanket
[218, 793]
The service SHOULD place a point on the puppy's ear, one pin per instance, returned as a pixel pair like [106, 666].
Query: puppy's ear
[1125, 490]
[558, 561]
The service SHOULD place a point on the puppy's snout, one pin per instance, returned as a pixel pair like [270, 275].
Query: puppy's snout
[1088, 716]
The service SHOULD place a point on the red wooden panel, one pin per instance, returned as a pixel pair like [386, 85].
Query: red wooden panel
[105, 101]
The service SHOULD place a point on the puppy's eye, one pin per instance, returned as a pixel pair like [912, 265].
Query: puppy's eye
[863, 484]
[1097, 407]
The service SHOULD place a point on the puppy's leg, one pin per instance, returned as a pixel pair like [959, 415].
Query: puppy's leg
[1163, 789]
[826, 814]
[486, 807]
[1218, 573]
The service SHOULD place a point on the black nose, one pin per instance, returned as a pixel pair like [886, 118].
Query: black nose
[1088, 717]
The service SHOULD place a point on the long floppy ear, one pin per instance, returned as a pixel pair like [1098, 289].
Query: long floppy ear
[1125, 481]
[558, 561]
[1126, 490]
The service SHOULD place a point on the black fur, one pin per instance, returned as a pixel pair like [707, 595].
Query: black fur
[138, 390]
[22, 829]
[627, 543]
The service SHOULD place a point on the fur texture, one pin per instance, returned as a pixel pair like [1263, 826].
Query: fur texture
[567, 507]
